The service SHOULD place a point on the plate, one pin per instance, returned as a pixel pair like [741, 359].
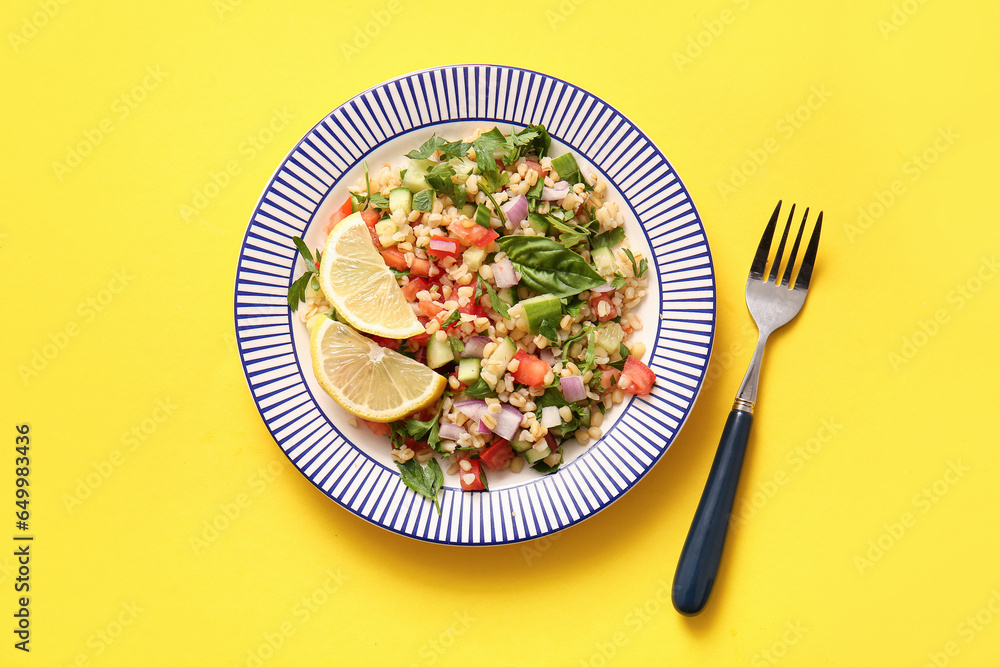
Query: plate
[352, 466]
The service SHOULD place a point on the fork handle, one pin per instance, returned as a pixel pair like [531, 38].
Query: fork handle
[699, 561]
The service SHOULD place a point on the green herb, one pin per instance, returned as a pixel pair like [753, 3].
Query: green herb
[454, 317]
[610, 238]
[535, 191]
[496, 208]
[549, 329]
[436, 143]
[479, 389]
[457, 346]
[641, 268]
[399, 274]
[623, 351]
[297, 290]
[397, 434]
[423, 200]
[545, 468]
[439, 177]
[364, 200]
[496, 302]
[573, 308]
[618, 281]
[565, 165]
[547, 267]
[427, 430]
[425, 480]
[379, 200]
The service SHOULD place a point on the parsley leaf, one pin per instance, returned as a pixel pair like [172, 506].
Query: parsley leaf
[618, 281]
[479, 389]
[642, 266]
[623, 351]
[379, 200]
[454, 317]
[457, 346]
[297, 290]
[496, 302]
[423, 200]
[436, 143]
[425, 480]
[610, 238]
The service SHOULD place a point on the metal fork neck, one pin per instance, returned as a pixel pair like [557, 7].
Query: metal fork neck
[746, 397]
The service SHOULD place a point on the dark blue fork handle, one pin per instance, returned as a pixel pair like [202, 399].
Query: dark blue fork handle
[699, 561]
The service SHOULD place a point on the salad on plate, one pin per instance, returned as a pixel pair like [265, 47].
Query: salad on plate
[474, 305]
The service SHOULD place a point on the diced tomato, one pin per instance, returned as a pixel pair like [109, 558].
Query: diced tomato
[371, 217]
[414, 444]
[418, 340]
[420, 267]
[391, 343]
[497, 454]
[531, 164]
[338, 215]
[476, 235]
[473, 479]
[442, 246]
[595, 307]
[378, 428]
[609, 377]
[394, 259]
[430, 308]
[472, 308]
[411, 288]
[636, 377]
[530, 369]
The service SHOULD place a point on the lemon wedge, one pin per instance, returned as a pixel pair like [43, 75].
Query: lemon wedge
[368, 380]
[359, 285]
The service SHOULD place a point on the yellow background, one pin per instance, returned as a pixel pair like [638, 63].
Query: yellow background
[869, 534]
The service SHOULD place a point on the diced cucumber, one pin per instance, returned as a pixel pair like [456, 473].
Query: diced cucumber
[610, 335]
[483, 215]
[538, 223]
[520, 446]
[474, 257]
[604, 261]
[415, 178]
[439, 352]
[553, 459]
[463, 166]
[501, 356]
[468, 370]
[507, 295]
[539, 308]
[533, 455]
[401, 199]
[469, 210]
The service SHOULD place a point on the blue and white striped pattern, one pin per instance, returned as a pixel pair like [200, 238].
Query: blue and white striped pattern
[653, 195]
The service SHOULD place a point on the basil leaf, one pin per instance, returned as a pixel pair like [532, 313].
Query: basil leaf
[610, 238]
[379, 200]
[618, 281]
[547, 267]
[565, 165]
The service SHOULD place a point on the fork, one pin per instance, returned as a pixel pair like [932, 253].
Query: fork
[772, 303]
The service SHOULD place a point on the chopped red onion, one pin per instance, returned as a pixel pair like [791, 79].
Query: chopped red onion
[473, 408]
[474, 347]
[450, 431]
[547, 355]
[482, 428]
[573, 389]
[516, 209]
[508, 421]
[504, 274]
[550, 416]
[559, 191]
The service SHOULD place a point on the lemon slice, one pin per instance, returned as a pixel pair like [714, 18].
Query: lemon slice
[359, 285]
[368, 380]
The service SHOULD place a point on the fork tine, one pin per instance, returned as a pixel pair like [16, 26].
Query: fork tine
[760, 259]
[805, 272]
[787, 278]
[781, 248]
